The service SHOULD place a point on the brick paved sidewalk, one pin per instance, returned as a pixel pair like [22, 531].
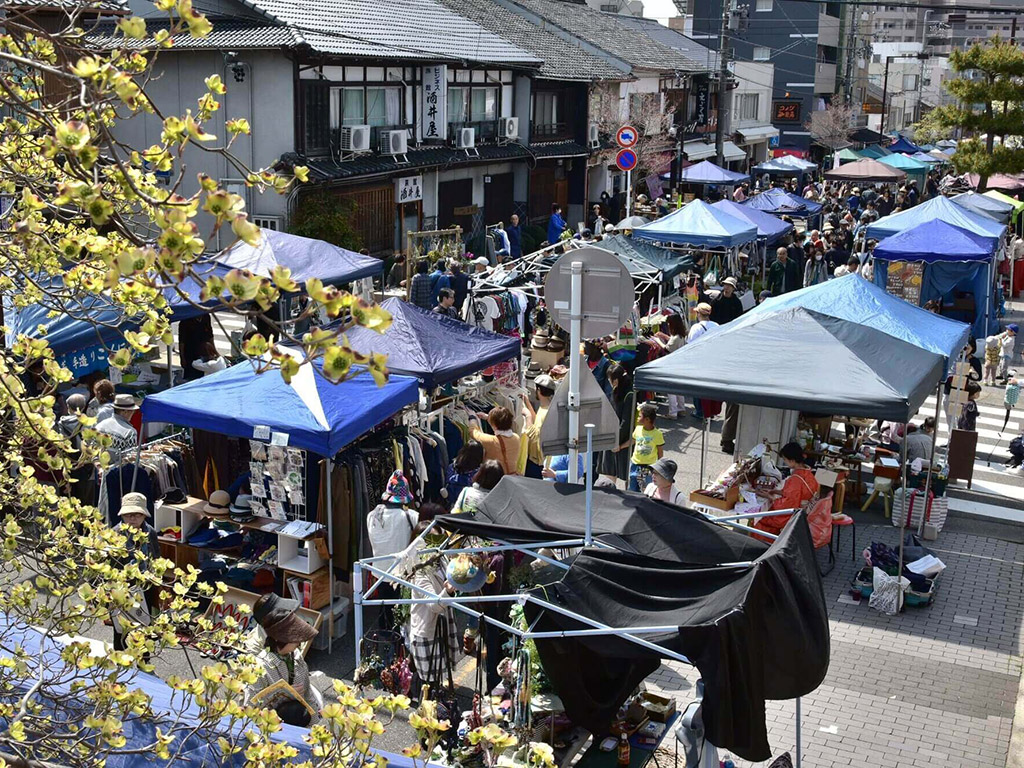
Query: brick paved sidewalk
[933, 687]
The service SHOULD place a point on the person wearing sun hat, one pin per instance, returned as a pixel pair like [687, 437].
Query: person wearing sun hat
[134, 515]
[1007, 340]
[119, 428]
[283, 631]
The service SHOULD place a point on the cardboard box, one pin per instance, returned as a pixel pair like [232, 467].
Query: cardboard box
[545, 359]
[659, 708]
[732, 495]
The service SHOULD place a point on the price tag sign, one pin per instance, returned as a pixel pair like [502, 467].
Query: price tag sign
[278, 438]
[260, 432]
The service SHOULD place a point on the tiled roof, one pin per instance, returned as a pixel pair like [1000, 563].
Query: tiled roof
[608, 32]
[227, 35]
[703, 58]
[115, 6]
[428, 157]
[411, 30]
[562, 59]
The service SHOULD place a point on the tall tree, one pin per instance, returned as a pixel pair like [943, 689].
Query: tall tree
[830, 127]
[991, 104]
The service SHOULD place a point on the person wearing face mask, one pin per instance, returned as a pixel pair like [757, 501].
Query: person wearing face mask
[816, 269]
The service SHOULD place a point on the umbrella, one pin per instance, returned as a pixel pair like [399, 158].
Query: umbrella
[631, 222]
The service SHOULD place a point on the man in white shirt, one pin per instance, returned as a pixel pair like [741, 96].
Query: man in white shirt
[119, 428]
[704, 323]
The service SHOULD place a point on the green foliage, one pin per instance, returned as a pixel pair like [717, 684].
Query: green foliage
[328, 217]
[930, 129]
[991, 102]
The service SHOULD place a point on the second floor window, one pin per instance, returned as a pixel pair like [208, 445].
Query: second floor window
[472, 105]
[366, 106]
[749, 106]
[545, 111]
[762, 53]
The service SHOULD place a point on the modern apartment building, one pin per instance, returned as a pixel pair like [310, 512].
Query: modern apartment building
[804, 43]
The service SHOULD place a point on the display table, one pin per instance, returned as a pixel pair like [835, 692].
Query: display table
[639, 756]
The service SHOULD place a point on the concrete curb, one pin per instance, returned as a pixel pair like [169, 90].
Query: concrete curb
[1015, 756]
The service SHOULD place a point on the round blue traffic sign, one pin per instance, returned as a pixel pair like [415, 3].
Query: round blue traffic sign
[626, 160]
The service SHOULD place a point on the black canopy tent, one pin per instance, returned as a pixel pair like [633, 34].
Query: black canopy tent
[801, 360]
[751, 617]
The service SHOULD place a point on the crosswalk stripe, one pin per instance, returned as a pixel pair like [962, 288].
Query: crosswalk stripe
[993, 511]
[995, 410]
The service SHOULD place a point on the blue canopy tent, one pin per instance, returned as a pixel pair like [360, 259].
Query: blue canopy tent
[435, 349]
[698, 224]
[904, 146]
[769, 228]
[706, 172]
[316, 414]
[941, 208]
[957, 260]
[169, 710]
[985, 205]
[925, 157]
[784, 166]
[670, 263]
[854, 299]
[86, 326]
[780, 202]
[304, 256]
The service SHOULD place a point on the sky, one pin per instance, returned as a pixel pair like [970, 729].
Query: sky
[659, 9]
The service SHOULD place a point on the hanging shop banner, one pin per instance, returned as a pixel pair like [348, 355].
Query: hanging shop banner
[703, 98]
[408, 189]
[904, 279]
[434, 114]
[654, 185]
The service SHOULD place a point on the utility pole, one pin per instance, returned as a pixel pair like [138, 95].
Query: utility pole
[728, 6]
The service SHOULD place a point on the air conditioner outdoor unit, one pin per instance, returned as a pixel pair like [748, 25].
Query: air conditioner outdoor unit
[594, 139]
[394, 142]
[355, 138]
[508, 128]
[465, 138]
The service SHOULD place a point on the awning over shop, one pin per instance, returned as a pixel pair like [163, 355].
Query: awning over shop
[433, 348]
[317, 415]
[699, 150]
[758, 132]
[698, 224]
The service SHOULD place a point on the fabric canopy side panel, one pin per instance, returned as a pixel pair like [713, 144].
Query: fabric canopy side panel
[942, 279]
[755, 633]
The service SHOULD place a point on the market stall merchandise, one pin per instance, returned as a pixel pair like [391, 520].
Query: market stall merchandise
[866, 170]
[432, 347]
[751, 617]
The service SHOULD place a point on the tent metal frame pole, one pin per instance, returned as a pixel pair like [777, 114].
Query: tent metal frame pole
[575, 340]
[931, 456]
[799, 746]
[330, 553]
[588, 536]
[357, 601]
[394, 560]
[757, 515]
[906, 506]
[703, 447]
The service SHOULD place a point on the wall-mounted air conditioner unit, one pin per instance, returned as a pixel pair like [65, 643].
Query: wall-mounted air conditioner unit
[394, 142]
[594, 137]
[508, 128]
[465, 138]
[355, 138]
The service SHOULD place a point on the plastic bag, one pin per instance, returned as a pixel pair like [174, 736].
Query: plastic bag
[768, 468]
[888, 593]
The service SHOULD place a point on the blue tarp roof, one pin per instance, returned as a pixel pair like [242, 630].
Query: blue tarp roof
[779, 201]
[706, 172]
[316, 415]
[697, 223]
[192, 749]
[433, 348]
[902, 144]
[304, 256]
[986, 205]
[88, 325]
[940, 208]
[768, 226]
[934, 241]
[855, 299]
[670, 263]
